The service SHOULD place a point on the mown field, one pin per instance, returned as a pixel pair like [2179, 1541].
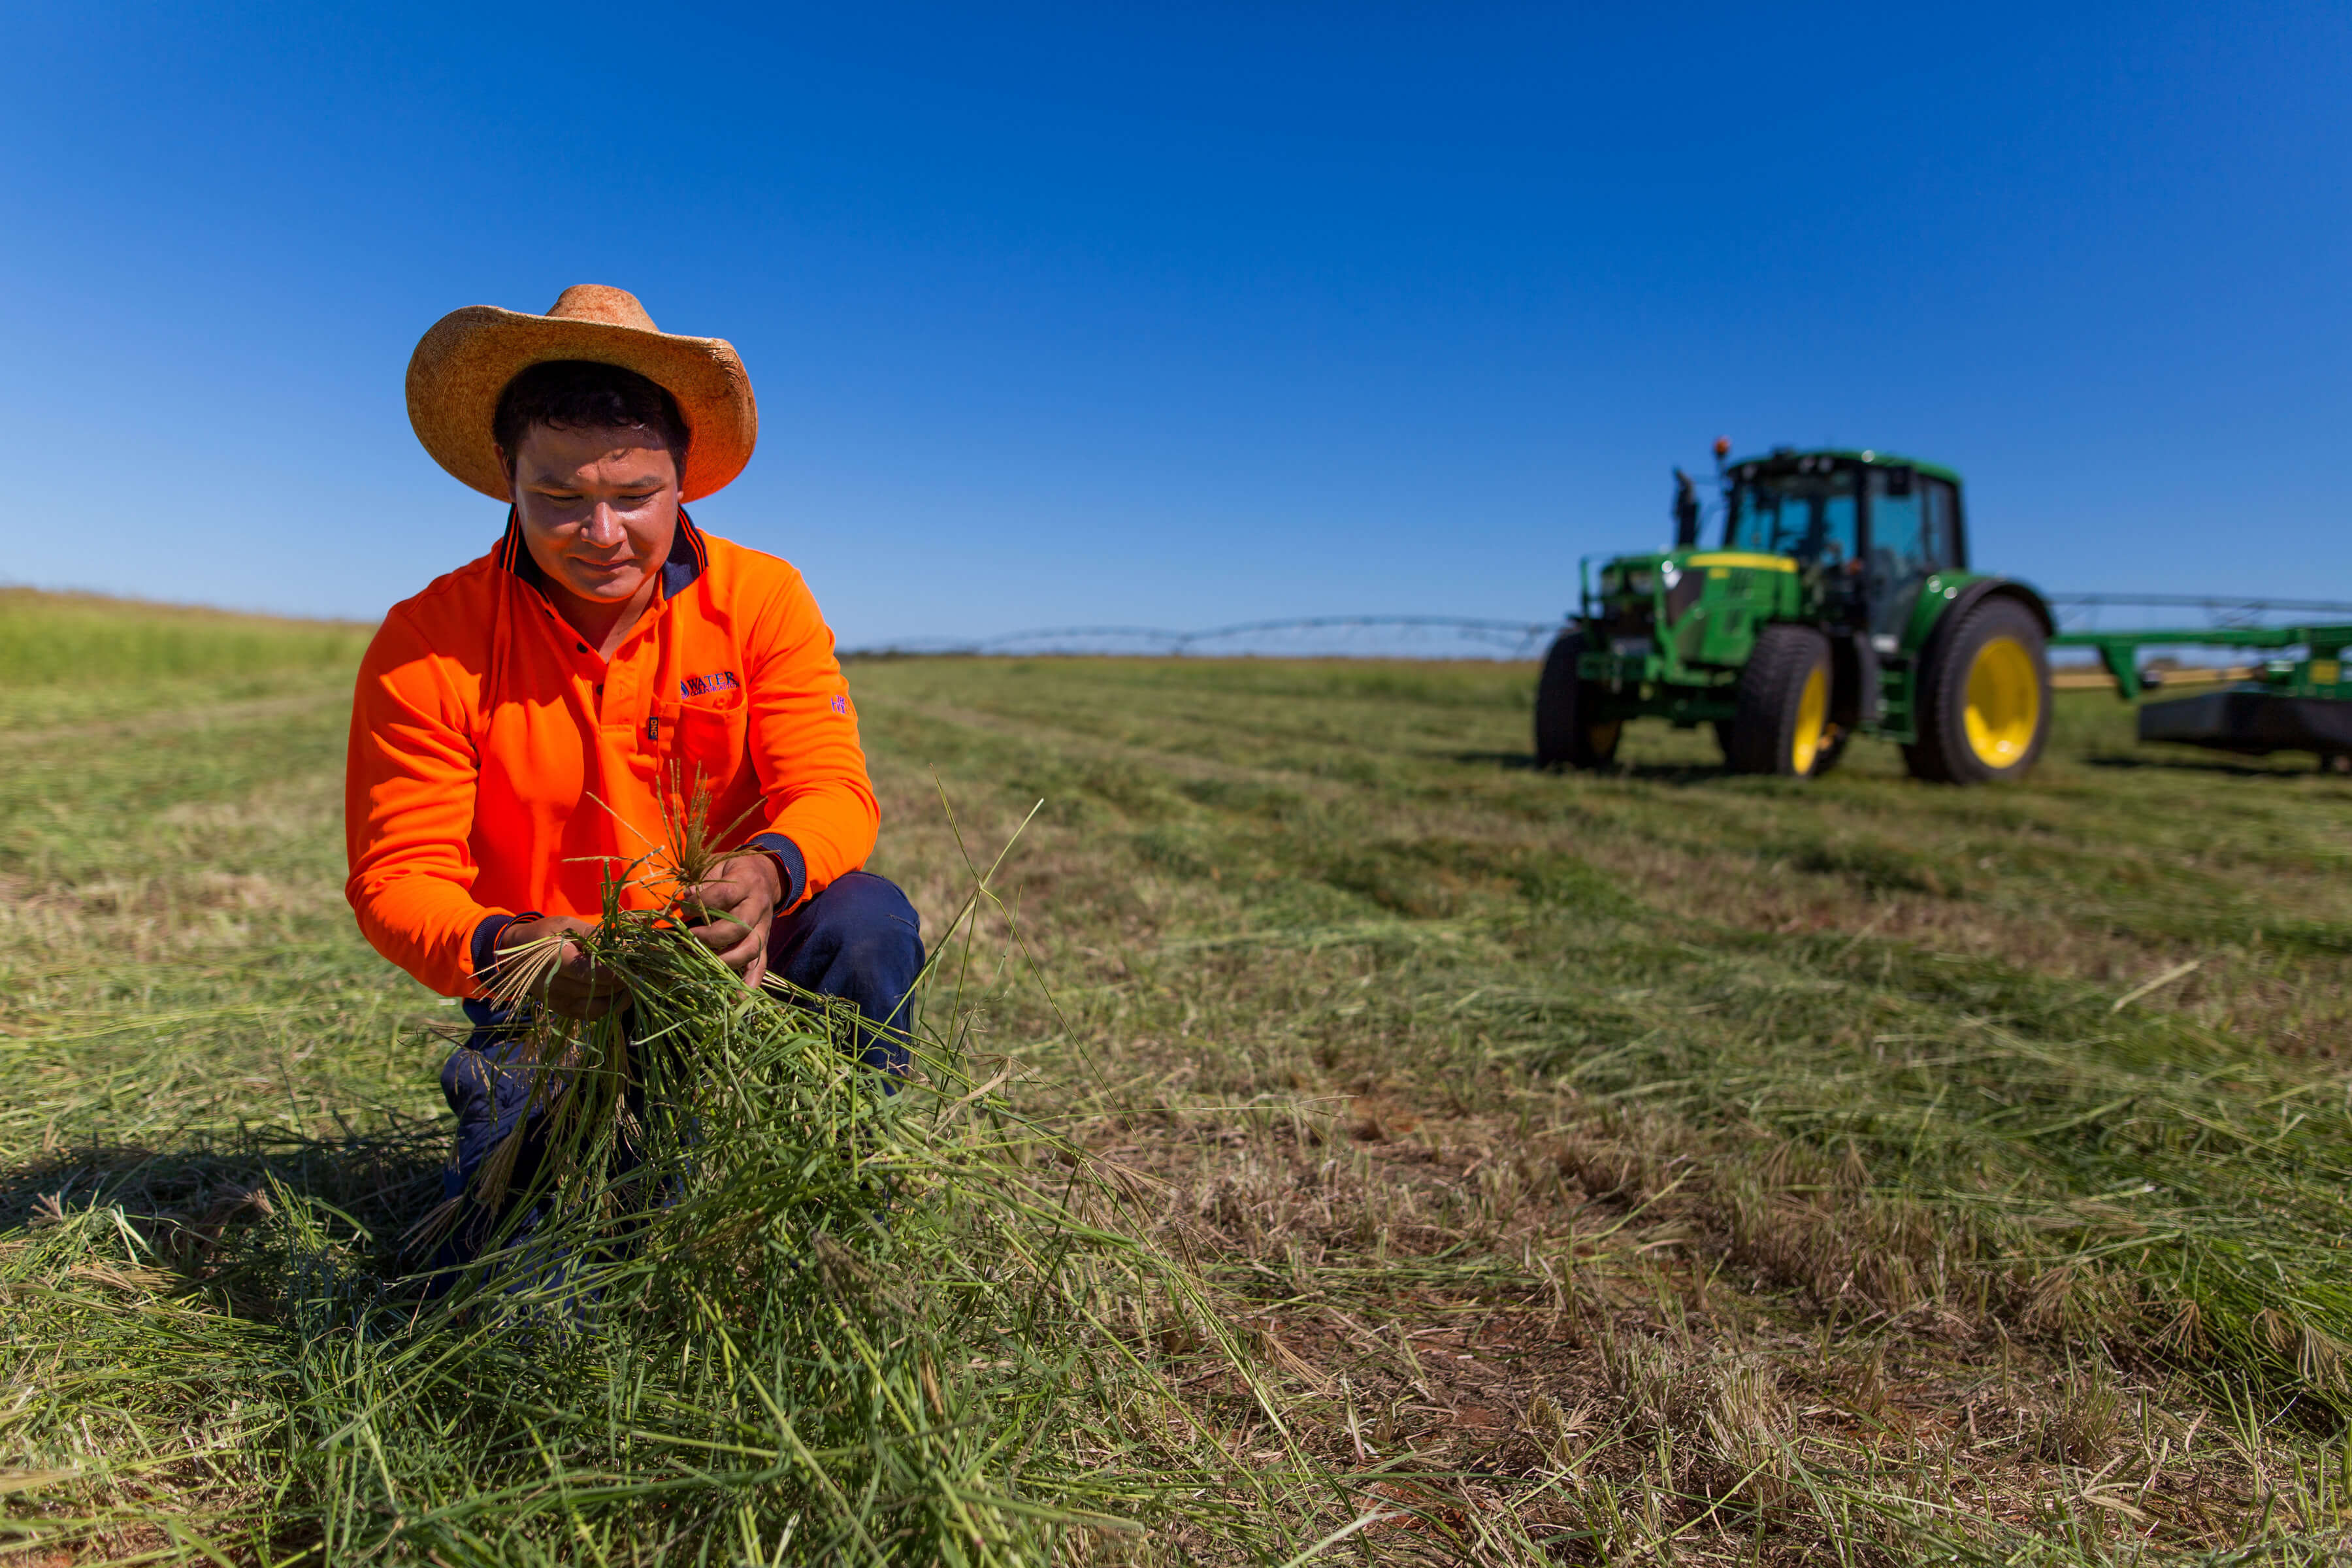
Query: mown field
[1651, 1167]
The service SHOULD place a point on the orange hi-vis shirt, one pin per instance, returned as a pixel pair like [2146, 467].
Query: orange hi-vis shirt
[483, 725]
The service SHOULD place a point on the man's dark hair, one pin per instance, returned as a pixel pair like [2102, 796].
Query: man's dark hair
[582, 394]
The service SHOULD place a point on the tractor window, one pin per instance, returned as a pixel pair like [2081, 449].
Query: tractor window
[1809, 516]
[1896, 517]
[1902, 546]
[1941, 528]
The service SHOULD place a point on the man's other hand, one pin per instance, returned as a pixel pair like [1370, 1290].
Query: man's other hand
[729, 912]
[577, 987]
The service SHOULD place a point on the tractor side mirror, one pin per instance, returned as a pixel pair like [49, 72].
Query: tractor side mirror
[1685, 511]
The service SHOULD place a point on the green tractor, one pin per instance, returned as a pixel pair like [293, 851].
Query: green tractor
[1840, 604]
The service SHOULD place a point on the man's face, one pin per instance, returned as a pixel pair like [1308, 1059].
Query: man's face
[599, 507]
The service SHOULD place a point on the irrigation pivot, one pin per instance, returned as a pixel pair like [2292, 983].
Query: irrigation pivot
[1298, 637]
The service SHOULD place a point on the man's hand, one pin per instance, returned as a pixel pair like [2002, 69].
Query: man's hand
[729, 912]
[577, 987]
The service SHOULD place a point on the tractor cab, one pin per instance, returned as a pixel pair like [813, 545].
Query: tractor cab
[1864, 529]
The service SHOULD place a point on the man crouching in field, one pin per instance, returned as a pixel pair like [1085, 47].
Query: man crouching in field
[518, 723]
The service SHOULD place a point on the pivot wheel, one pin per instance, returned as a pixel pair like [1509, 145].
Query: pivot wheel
[1568, 728]
[1984, 698]
[1782, 723]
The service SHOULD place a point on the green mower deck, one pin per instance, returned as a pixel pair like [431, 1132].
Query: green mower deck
[2302, 704]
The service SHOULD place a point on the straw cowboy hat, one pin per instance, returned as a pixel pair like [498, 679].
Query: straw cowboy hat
[466, 359]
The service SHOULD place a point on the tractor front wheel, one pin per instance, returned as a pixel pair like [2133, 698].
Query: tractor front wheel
[1984, 698]
[1782, 724]
[1568, 727]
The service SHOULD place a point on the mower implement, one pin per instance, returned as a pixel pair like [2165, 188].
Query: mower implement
[2301, 703]
[1840, 603]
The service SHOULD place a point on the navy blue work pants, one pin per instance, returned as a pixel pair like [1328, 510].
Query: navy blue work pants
[858, 939]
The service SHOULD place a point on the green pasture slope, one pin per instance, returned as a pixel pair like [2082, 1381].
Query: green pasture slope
[1652, 1166]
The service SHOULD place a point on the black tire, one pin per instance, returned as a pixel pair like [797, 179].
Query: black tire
[1983, 702]
[1565, 731]
[1782, 725]
[1832, 750]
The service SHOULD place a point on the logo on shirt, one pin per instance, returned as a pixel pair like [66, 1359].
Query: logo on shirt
[840, 703]
[704, 685]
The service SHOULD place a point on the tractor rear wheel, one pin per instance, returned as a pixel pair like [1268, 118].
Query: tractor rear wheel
[1782, 723]
[1983, 702]
[1567, 727]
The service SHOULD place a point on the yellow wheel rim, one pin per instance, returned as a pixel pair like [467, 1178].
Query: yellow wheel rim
[1813, 723]
[2004, 705]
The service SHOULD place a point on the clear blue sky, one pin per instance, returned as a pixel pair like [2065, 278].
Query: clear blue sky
[1191, 313]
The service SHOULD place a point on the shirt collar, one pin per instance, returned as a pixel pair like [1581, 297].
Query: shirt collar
[687, 556]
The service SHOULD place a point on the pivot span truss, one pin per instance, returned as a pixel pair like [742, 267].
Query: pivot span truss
[1454, 637]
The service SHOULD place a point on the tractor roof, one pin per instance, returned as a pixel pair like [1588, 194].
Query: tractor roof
[1780, 456]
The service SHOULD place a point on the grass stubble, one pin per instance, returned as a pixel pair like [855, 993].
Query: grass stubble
[1471, 1165]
